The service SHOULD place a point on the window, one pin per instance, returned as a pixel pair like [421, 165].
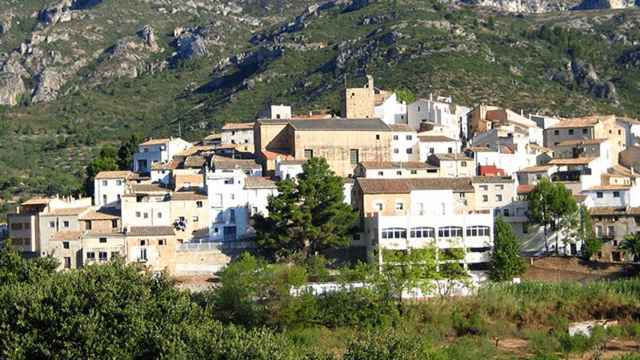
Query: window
[88, 225]
[585, 131]
[599, 194]
[65, 224]
[102, 240]
[114, 224]
[619, 132]
[484, 187]
[138, 214]
[119, 182]
[409, 137]
[422, 232]
[105, 183]
[463, 163]
[570, 131]
[450, 231]
[52, 224]
[67, 263]
[114, 254]
[65, 244]
[354, 155]
[308, 153]
[159, 215]
[505, 212]
[399, 206]
[399, 172]
[432, 150]
[616, 194]
[498, 197]
[409, 151]
[228, 181]
[232, 215]
[556, 132]
[394, 233]
[145, 215]
[599, 230]
[450, 150]
[16, 226]
[103, 256]
[414, 172]
[162, 242]
[395, 137]
[377, 136]
[143, 243]
[199, 204]
[195, 219]
[378, 206]
[396, 151]
[611, 230]
[143, 255]
[91, 256]
[485, 198]
[380, 173]
[478, 231]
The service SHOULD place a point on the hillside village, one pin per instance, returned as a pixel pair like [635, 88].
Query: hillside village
[429, 172]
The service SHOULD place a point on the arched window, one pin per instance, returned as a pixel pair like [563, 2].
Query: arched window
[450, 231]
[422, 232]
[478, 230]
[394, 233]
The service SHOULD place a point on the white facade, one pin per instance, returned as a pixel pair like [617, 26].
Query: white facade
[286, 169]
[108, 191]
[613, 196]
[392, 111]
[280, 112]
[404, 146]
[432, 145]
[439, 112]
[234, 135]
[157, 151]
[145, 210]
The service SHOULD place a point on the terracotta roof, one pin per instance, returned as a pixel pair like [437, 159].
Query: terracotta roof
[525, 189]
[401, 128]
[608, 188]
[67, 236]
[195, 161]
[587, 121]
[150, 231]
[404, 186]
[230, 164]
[238, 126]
[619, 170]
[188, 196]
[575, 161]
[480, 149]
[65, 211]
[272, 155]
[259, 182]
[213, 137]
[412, 165]
[445, 156]
[114, 175]
[101, 214]
[148, 188]
[492, 179]
[536, 168]
[170, 165]
[156, 142]
[340, 125]
[581, 142]
[435, 138]
[613, 211]
[37, 201]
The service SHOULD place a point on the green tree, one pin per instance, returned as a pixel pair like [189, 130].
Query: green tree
[506, 262]
[590, 243]
[631, 244]
[405, 95]
[126, 151]
[308, 215]
[106, 161]
[549, 202]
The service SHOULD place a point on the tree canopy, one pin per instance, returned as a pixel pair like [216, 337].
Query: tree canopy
[308, 214]
[549, 202]
[506, 262]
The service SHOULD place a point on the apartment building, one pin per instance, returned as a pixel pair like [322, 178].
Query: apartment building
[484, 118]
[190, 216]
[404, 214]
[437, 144]
[453, 165]
[588, 129]
[152, 246]
[391, 169]
[439, 113]
[109, 186]
[342, 142]
[404, 143]
[239, 134]
[156, 151]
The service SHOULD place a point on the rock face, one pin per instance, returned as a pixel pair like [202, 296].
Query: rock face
[583, 75]
[5, 23]
[630, 58]
[525, 6]
[11, 88]
[607, 4]
[49, 82]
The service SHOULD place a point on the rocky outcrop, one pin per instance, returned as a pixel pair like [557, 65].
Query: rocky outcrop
[525, 6]
[630, 58]
[606, 4]
[578, 74]
[11, 89]
[358, 4]
[63, 10]
[48, 84]
[195, 42]
[5, 23]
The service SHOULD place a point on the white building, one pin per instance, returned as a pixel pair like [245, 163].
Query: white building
[109, 186]
[239, 134]
[441, 113]
[390, 110]
[613, 196]
[146, 205]
[279, 112]
[437, 144]
[395, 170]
[404, 143]
[288, 169]
[157, 151]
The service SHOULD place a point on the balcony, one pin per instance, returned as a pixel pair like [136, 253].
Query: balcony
[477, 257]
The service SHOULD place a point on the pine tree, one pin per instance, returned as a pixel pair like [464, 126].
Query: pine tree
[506, 262]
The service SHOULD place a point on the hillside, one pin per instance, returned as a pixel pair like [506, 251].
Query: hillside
[86, 72]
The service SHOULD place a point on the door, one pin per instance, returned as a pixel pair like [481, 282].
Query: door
[229, 233]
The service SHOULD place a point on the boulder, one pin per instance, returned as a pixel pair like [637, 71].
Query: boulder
[149, 37]
[11, 88]
[48, 84]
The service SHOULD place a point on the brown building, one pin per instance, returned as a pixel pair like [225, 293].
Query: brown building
[485, 118]
[343, 143]
[611, 225]
[359, 103]
[152, 246]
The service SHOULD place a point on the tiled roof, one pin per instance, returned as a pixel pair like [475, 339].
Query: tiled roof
[67, 236]
[451, 157]
[619, 170]
[170, 165]
[195, 161]
[581, 142]
[230, 164]
[103, 175]
[238, 126]
[405, 186]
[293, 162]
[574, 161]
[613, 211]
[401, 128]
[66, 211]
[37, 201]
[525, 189]
[587, 121]
[147, 188]
[187, 196]
[259, 182]
[480, 149]
[435, 138]
[150, 231]
[101, 214]
[609, 188]
[536, 168]
[492, 179]
[411, 165]
[156, 142]
[340, 125]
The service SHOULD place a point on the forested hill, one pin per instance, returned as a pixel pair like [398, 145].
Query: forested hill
[75, 74]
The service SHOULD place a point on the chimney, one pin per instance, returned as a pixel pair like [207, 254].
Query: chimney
[370, 82]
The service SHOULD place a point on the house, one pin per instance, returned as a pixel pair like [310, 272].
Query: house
[157, 151]
[615, 196]
[395, 169]
[441, 113]
[532, 174]
[611, 225]
[405, 214]
[485, 118]
[453, 165]
[589, 128]
[388, 108]
[630, 158]
[570, 149]
[239, 134]
[342, 142]
[437, 144]
[152, 246]
[109, 186]
[279, 112]
[288, 169]
[190, 216]
[404, 143]
[146, 205]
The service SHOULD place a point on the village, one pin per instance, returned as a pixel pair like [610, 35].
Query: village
[427, 173]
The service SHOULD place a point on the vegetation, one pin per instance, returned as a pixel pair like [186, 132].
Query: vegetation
[506, 262]
[308, 214]
[631, 244]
